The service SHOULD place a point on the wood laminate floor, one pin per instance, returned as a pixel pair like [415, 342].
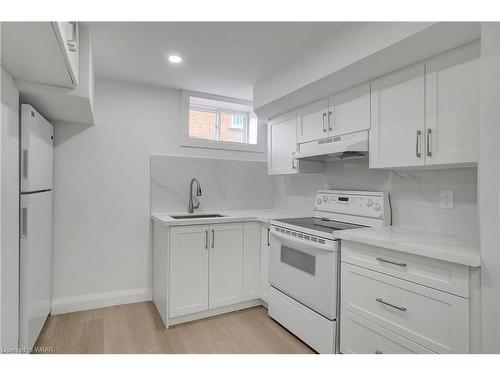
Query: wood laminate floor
[137, 328]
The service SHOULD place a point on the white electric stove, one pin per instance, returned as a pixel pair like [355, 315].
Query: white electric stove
[304, 263]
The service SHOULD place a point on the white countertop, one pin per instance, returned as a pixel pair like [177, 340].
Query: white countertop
[452, 248]
[263, 215]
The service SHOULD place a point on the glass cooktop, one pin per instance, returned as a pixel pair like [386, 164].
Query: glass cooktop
[321, 225]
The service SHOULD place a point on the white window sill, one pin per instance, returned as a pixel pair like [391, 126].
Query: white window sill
[232, 146]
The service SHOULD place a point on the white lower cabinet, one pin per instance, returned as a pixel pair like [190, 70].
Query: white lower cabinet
[264, 263]
[188, 269]
[398, 309]
[226, 265]
[251, 261]
[210, 267]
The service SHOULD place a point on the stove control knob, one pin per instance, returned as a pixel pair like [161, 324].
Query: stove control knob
[325, 198]
[369, 202]
[319, 201]
[376, 206]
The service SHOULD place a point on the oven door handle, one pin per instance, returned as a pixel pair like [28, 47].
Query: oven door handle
[303, 245]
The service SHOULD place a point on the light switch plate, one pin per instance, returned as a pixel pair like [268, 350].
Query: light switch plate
[447, 199]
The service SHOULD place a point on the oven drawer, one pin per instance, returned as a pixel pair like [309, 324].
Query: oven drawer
[306, 272]
[448, 277]
[312, 328]
[434, 319]
[360, 336]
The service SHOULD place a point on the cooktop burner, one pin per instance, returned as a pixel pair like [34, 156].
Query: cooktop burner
[320, 225]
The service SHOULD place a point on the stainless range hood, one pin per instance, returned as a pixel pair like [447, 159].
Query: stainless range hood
[347, 146]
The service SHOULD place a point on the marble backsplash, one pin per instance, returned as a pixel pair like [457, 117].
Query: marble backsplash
[235, 184]
[226, 184]
[415, 195]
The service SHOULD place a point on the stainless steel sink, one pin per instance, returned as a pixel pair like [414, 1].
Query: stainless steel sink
[198, 216]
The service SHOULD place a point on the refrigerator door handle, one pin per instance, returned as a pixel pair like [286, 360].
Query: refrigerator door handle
[25, 163]
[24, 222]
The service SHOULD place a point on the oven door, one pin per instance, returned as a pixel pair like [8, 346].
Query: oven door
[306, 271]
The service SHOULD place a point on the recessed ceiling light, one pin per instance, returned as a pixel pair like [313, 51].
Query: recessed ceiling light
[175, 59]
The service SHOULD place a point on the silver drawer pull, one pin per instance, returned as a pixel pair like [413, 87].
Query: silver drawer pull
[390, 304]
[378, 352]
[391, 262]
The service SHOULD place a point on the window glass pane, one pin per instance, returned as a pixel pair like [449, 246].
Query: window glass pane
[221, 121]
[229, 132]
[202, 124]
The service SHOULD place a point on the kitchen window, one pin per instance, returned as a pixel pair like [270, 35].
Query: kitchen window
[219, 122]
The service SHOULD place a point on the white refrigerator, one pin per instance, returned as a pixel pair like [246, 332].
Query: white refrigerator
[35, 253]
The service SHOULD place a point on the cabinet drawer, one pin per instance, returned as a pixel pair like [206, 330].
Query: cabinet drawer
[448, 277]
[434, 319]
[360, 336]
[312, 328]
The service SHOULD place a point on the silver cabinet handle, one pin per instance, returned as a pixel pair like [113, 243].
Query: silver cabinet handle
[25, 163]
[71, 42]
[330, 126]
[429, 135]
[24, 222]
[293, 161]
[418, 147]
[213, 238]
[268, 236]
[324, 118]
[378, 352]
[390, 304]
[206, 238]
[391, 262]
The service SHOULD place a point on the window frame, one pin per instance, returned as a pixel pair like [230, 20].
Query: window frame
[187, 141]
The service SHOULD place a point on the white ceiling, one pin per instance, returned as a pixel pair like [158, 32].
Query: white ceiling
[219, 57]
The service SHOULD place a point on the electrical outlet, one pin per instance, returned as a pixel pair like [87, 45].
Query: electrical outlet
[447, 199]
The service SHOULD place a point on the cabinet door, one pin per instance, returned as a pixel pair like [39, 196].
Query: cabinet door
[188, 269]
[251, 261]
[398, 119]
[226, 264]
[313, 122]
[349, 111]
[68, 35]
[452, 107]
[264, 263]
[282, 144]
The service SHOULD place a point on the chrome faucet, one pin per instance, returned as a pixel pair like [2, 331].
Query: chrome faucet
[191, 206]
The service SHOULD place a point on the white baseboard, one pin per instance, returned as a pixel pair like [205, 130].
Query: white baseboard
[98, 300]
[213, 312]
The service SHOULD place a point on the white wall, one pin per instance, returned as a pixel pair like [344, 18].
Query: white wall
[414, 195]
[9, 233]
[348, 45]
[489, 187]
[101, 193]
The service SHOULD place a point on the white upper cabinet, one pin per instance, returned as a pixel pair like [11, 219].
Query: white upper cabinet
[53, 67]
[398, 119]
[68, 39]
[349, 111]
[313, 121]
[428, 114]
[343, 113]
[282, 145]
[452, 107]
[37, 52]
